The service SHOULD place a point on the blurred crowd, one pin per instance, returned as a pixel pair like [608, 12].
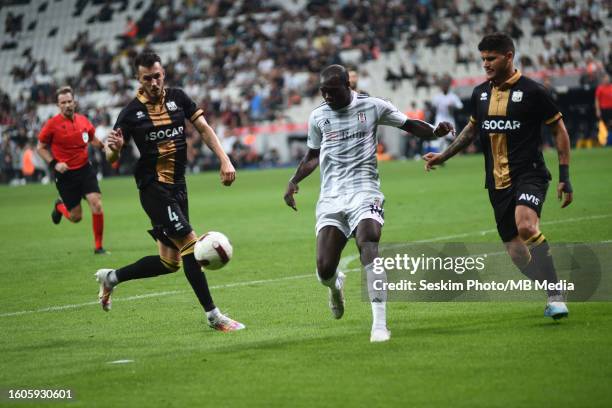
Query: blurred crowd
[270, 57]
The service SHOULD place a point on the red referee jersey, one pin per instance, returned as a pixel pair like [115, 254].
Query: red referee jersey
[603, 93]
[68, 139]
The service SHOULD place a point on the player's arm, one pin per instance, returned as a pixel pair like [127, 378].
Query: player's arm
[424, 130]
[44, 151]
[228, 173]
[307, 165]
[562, 141]
[465, 138]
[113, 145]
[597, 107]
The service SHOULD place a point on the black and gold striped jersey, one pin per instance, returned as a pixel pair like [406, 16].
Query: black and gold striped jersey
[158, 129]
[509, 120]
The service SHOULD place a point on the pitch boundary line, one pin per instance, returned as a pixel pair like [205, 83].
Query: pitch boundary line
[344, 262]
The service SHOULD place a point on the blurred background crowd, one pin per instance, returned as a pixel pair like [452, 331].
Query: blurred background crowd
[253, 65]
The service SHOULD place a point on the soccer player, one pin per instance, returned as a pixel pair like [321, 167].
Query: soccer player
[507, 113]
[62, 143]
[342, 139]
[155, 119]
[445, 103]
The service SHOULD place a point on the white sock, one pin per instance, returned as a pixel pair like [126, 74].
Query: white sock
[379, 315]
[556, 298]
[213, 313]
[378, 298]
[331, 282]
[111, 278]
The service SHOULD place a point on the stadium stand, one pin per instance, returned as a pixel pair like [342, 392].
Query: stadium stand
[253, 64]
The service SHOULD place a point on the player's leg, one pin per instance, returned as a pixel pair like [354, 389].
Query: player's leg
[367, 237]
[167, 261]
[330, 243]
[517, 212]
[91, 191]
[197, 279]
[97, 218]
[540, 264]
[366, 218]
[177, 228]
[69, 204]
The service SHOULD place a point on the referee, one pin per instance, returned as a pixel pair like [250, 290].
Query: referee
[62, 143]
[507, 114]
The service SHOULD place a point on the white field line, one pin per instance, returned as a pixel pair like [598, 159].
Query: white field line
[149, 295]
[344, 262]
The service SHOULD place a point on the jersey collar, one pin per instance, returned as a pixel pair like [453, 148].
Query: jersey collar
[509, 82]
[142, 97]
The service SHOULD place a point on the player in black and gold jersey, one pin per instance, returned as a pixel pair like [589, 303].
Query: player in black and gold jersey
[507, 114]
[155, 120]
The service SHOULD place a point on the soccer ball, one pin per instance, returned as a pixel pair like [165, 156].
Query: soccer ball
[213, 250]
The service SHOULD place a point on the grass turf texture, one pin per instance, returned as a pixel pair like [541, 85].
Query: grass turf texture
[293, 352]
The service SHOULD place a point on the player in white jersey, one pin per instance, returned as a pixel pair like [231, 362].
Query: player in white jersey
[446, 103]
[342, 140]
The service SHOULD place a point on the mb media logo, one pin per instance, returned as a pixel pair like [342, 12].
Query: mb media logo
[530, 198]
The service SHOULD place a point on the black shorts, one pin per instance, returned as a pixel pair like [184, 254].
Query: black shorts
[167, 208]
[528, 191]
[76, 184]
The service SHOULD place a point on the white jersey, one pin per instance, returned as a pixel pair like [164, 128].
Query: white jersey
[347, 139]
[442, 103]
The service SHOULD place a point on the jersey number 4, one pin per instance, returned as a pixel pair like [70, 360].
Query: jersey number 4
[172, 215]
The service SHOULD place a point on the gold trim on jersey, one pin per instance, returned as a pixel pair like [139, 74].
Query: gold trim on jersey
[555, 118]
[166, 161]
[196, 115]
[511, 81]
[498, 106]
[473, 120]
[501, 168]
[157, 111]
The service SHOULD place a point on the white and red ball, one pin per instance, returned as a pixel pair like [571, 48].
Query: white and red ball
[213, 250]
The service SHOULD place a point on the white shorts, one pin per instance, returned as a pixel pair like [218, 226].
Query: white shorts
[346, 211]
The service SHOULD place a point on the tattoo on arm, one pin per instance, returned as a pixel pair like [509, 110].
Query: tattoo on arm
[465, 138]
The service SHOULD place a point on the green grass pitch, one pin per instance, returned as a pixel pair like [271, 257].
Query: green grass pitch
[54, 335]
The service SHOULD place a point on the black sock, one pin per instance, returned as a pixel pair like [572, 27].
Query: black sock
[146, 267]
[542, 262]
[198, 282]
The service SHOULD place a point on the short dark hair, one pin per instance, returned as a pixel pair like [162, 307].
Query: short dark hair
[500, 42]
[147, 59]
[335, 71]
[63, 90]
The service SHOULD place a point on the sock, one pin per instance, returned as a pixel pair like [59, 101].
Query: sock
[210, 315]
[196, 277]
[112, 278]
[529, 269]
[543, 262]
[331, 282]
[61, 207]
[98, 228]
[378, 298]
[379, 315]
[146, 267]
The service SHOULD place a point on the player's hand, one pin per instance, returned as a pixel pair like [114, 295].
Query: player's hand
[292, 189]
[61, 167]
[228, 173]
[115, 140]
[432, 160]
[565, 194]
[444, 128]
